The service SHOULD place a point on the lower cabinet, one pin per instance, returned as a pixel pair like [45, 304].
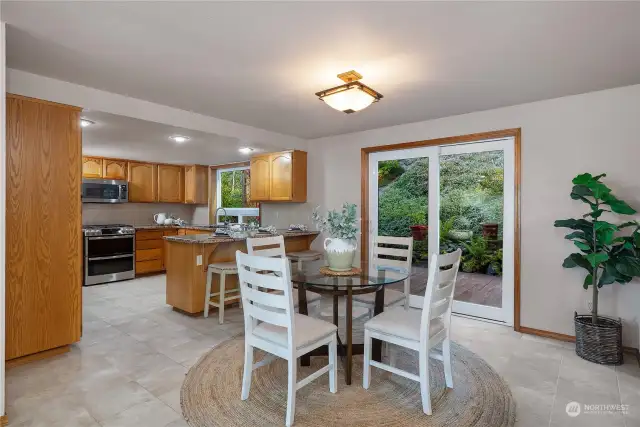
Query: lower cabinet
[150, 250]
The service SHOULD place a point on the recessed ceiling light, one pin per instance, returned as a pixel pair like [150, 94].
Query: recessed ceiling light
[179, 138]
[350, 97]
[246, 150]
[86, 123]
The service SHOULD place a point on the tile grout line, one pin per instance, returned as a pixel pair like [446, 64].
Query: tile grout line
[555, 394]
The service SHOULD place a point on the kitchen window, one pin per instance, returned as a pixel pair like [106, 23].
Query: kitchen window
[233, 193]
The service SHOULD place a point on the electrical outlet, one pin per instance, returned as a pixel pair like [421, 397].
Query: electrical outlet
[199, 260]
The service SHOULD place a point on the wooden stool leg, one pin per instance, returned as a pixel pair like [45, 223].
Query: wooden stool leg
[222, 298]
[207, 293]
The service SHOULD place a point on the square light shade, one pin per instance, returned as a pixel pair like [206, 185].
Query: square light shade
[350, 97]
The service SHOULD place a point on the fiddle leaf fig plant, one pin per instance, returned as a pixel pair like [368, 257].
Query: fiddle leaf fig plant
[607, 252]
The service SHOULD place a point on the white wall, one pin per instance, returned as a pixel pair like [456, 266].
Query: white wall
[595, 132]
[27, 84]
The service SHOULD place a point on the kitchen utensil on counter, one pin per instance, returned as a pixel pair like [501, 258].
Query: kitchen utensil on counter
[169, 221]
[159, 218]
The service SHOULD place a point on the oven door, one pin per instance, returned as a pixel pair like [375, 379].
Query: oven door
[104, 191]
[109, 258]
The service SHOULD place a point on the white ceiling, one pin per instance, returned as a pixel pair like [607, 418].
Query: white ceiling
[134, 139]
[261, 63]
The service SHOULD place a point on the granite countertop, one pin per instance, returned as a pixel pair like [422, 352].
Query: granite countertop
[210, 238]
[187, 227]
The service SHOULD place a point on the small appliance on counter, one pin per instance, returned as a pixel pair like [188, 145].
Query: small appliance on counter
[104, 191]
[109, 253]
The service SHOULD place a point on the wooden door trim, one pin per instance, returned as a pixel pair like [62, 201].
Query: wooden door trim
[474, 137]
[42, 101]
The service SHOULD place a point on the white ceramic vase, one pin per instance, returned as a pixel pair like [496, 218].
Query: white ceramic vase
[340, 253]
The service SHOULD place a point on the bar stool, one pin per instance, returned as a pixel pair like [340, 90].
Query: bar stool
[304, 256]
[221, 268]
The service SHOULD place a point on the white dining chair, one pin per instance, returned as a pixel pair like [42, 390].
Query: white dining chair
[419, 330]
[271, 325]
[405, 252]
[273, 247]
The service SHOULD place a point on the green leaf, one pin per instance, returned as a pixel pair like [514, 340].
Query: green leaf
[628, 265]
[597, 258]
[617, 205]
[601, 225]
[596, 213]
[605, 237]
[597, 177]
[609, 274]
[636, 239]
[600, 190]
[582, 179]
[576, 235]
[575, 224]
[588, 281]
[576, 260]
[628, 224]
[582, 190]
[582, 246]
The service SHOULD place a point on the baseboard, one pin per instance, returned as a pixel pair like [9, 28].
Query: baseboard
[37, 356]
[4, 421]
[570, 338]
[547, 334]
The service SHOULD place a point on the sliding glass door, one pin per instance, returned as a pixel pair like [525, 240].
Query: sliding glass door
[449, 197]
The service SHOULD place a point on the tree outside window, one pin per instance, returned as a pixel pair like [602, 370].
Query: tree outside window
[234, 195]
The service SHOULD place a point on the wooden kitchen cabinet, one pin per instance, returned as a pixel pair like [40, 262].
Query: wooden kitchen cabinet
[114, 169]
[143, 182]
[92, 167]
[43, 221]
[170, 184]
[260, 178]
[196, 184]
[279, 177]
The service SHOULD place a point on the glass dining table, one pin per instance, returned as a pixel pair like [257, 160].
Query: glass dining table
[368, 280]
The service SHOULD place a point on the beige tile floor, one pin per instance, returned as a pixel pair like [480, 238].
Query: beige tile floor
[130, 364]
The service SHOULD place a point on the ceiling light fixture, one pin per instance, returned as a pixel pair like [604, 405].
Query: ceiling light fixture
[86, 123]
[179, 138]
[350, 97]
[246, 150]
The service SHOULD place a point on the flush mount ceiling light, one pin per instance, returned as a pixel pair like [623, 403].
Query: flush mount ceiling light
[246, 150]
[86, 123]
[179, 138]
[350, 97]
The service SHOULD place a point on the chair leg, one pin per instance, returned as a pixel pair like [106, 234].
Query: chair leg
[291, 392]
[248, 370]
[392, 355]
[299, 265]
[424, 382]
[446, 356]
[222, 298]
[366, 374]
[207, 293]
[333, 360]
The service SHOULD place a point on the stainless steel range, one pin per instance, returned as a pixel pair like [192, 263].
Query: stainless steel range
[109, 253]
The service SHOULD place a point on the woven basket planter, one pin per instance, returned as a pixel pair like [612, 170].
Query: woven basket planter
[601, 343]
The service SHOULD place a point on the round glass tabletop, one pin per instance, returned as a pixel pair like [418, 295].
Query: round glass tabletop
[370, 276]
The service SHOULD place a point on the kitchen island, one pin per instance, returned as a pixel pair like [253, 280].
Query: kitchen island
[187, 258]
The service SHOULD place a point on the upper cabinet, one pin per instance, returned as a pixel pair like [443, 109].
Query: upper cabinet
[196, 184]
[114, 169]
[279, 177]
[92, 167]
[170, 183]
[143, 182]
[260, 178]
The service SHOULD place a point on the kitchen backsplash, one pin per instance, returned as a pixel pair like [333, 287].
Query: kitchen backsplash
[134, 213]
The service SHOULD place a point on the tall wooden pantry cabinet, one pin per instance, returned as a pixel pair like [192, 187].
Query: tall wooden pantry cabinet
[43, 224]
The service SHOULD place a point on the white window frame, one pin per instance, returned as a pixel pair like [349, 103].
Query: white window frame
[239, 212]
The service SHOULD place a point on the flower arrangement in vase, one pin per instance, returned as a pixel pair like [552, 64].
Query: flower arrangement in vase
[341, 245]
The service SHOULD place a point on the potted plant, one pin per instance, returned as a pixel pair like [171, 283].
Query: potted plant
[419, 232]
[608, 256]
[341, 246]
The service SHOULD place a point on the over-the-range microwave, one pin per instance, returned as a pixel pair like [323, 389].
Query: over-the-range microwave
[104, 190]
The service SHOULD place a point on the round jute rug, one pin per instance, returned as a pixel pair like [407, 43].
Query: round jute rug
[210, 395]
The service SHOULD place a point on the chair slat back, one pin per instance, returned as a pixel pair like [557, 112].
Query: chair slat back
[438, 297]
[405, 253]
[264, 246]
[258, 304]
